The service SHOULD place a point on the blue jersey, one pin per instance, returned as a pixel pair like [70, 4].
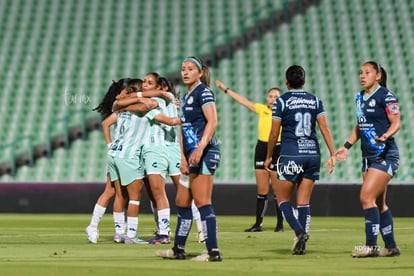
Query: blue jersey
[298, 112]
[192, 117]
[371, 113]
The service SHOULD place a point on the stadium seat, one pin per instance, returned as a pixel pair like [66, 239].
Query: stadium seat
[82, 48]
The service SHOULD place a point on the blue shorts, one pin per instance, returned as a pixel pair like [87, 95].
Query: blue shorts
[209, 162]
[387, 164]
[295, 168]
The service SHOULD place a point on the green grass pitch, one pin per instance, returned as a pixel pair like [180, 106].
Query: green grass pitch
[32, 244]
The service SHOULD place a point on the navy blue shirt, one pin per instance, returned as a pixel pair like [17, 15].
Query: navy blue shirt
[298, 111]
[192, 116]
[371, 114]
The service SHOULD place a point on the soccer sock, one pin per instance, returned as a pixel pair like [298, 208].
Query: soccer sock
[387, 229]
[184, 221]
[304, 216]
[208, 217]
[119, 220]
[278, 213]
[372, 220]
[164, 221]
[290, 217]
[196, 216]
[261, 206]
[98, 212]
[132, 223]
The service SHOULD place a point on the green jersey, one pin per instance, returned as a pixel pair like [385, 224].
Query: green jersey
[130, 133]
[172, 133]
[156, 135]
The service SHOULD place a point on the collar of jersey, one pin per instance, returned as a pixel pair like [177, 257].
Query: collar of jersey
[364, 97]
[189, 92]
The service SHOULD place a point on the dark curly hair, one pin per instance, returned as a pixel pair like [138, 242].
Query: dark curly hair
[105, 107]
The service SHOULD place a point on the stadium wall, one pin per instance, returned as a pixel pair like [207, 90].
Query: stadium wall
[228, 199]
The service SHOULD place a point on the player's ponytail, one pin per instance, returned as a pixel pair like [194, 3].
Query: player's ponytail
[383, 79]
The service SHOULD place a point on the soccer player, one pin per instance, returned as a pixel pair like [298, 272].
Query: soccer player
[263, 177]
[172, 142]
[156, 164]
[108, 119]
[378, 120]
[200, 158]
[297, 112]
[124, 161]
[149, 143]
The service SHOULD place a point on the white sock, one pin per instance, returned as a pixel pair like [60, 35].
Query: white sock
[119, 220]
[196, 217]
[132, 226]
[164, 221]
[98, 212]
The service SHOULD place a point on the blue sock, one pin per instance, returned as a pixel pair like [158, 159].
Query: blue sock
[208, 218]
[304, 216]
[372, 221]
[287, 210]
[387, 229]
[184, 222]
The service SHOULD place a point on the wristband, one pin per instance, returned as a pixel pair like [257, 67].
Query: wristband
[225, 90]
[109, 145]
[139, 94]
[347, 145]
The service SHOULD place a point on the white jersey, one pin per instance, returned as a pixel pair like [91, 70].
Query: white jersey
[156, 135]
[130, 133]
[172, 134]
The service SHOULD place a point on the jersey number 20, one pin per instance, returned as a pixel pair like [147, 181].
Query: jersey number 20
[303, 127]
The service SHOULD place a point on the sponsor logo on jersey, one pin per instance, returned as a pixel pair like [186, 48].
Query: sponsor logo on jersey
[390, 99]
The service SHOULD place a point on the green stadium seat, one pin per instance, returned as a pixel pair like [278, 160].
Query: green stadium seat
[96, 50]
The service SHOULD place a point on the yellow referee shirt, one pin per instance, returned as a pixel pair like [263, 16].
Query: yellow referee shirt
[264, 125]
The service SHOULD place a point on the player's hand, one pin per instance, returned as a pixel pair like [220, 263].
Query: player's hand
[220, 85]
[341, 154]
[267, 163]
[381, 139]
[331, 164]
[184, 166]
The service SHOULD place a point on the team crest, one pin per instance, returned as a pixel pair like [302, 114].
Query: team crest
[372, 103]
[190, 100]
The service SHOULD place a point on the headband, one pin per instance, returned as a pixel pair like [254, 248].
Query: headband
[196, 61]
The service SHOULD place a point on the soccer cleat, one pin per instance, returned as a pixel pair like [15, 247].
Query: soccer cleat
[92, 234]
[299, 244]
[254, 228]
[389, 252]
[365, 251]
[200, 237]
[118, 238]
[213, 256]
[159, 239]
[175, 254]
[135, 240]
[279, 228]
